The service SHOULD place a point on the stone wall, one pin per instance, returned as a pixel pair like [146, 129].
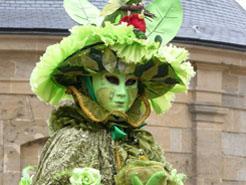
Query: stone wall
[203, 135]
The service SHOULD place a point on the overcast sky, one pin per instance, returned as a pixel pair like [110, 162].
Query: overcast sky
[242, 3]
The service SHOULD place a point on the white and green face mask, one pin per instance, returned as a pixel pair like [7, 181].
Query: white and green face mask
[115, 91]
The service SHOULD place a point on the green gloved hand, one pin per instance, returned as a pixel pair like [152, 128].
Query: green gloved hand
[157, 178]
[135, 180]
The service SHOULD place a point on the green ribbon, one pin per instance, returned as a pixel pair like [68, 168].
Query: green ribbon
[117, 133]
[90, 89]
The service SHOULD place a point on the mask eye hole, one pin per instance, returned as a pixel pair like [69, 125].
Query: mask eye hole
[112, 79]
[131, 81]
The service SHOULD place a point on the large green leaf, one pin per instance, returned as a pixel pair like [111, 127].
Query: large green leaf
[112, 6]
[169, 16]
[83, 12]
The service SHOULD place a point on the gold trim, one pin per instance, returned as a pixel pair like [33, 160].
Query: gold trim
[145, 116]
[134, 123]
[118, 160]
[79, 98]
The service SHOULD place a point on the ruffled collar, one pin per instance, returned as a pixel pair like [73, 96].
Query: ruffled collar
[86, 113]
[92, 111]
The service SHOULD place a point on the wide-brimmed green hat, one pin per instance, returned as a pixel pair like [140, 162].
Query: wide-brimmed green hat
[161, 70]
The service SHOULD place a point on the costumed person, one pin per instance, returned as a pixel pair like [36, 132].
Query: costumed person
[114, 68]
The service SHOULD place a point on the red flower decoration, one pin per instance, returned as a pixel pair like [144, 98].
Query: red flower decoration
[136, 20]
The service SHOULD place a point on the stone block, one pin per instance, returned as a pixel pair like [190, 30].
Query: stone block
[208, 97]
[178, 116]
[229, 100]
[232, 144]
[180, 140]
[11, 158]
[235, 121]
[225, 182]
[193, 81]
[230, 82]
[234, 168]
[7, 67]
[242, 85]
[15, 107]
[11, 178]
[18, 65]
[208, 141]
[212, 118]
[29, 155]
[1, 178]
[208, 113]
[4, 86]
[175, 140]
[20, 132]
[189, 181]
[244, 100]
[161, 135]
[24, 64]
[209, 125]
[172, 139]
[213, 181]
[182, 162]
[27, 43]
[199, 181]
[40, 109]
[30, 152]
[1, 132]
[187, 140]
[208, 79]
[232, 119]
[183, 98]
[209, 166]
[41, 43]
[1, 158]
[208, 153]
[212, 55]
[20, 87]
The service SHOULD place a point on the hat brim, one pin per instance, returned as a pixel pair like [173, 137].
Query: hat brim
[161, 70]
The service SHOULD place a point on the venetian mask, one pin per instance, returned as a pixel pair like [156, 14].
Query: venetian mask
[115, 91]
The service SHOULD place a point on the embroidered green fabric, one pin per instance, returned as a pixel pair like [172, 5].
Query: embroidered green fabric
[71, 148]
[78, 142]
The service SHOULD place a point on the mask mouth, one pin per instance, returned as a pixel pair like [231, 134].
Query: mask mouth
[120, 103]
[120, 106]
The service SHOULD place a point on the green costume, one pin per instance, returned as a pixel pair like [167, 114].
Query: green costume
[114, 76]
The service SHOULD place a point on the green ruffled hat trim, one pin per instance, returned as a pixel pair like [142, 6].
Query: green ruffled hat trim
[123, 41]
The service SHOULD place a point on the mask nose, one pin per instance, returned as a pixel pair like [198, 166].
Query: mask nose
[119, 95]
[121, 92]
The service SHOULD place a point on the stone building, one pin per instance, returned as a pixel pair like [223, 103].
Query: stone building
[204, 133]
